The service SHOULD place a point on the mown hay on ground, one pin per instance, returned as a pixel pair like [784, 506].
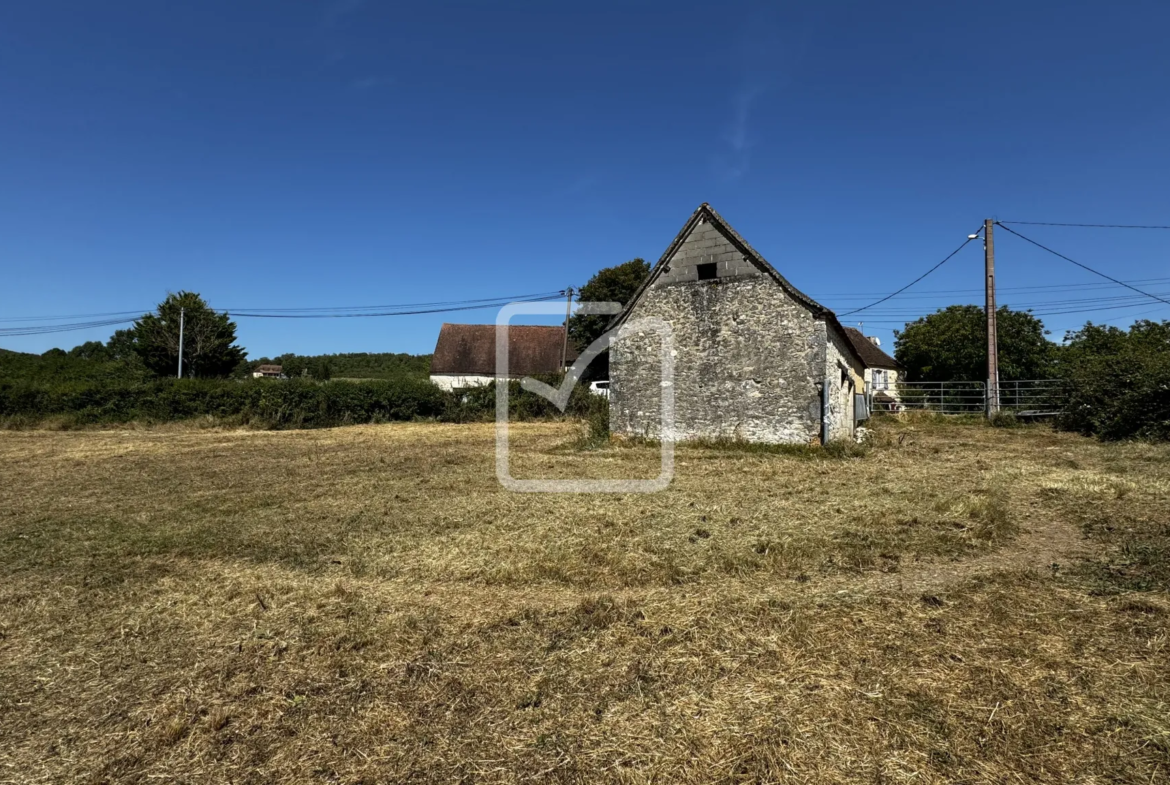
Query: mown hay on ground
[367, 604]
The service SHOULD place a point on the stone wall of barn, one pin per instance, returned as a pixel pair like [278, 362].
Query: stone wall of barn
[842, 371]
[749, 361]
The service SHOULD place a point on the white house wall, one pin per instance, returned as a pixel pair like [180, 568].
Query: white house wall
[452, 382]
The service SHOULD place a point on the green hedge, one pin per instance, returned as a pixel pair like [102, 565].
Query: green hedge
[479, 403]
[1120, 397]
[270, 403]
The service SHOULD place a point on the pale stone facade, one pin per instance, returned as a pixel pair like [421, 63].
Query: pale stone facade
[753, 358]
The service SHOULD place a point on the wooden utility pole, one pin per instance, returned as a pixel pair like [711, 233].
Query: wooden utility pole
[568, 313]
[992, 338]
[182, 318]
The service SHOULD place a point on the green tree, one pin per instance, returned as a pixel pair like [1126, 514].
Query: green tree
[293, 367]
[1094, 340]
[296, 366]
[613, 284]
[87, 362]
[951, 345]
[121, 347]
[1119, 381]
[354, 365]
[209, 338]
[91, 350]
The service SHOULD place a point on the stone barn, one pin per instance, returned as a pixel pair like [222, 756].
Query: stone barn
[754, 358]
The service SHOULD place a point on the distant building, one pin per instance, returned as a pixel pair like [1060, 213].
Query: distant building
[754, 357]
[465, 354]
[880, 380]
[268, 372]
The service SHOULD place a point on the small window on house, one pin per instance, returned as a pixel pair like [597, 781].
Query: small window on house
[707, 272]
[880, 380]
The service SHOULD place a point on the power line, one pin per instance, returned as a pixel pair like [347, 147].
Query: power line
[73, 316]
[1084, 302]
[495, 304]
[1088, 310]
[921, 294]
[454, 305]
[929, 293]
[1093, 300]
[1085, 266]
[1087, 226]
[359, 308]
[45, 329]
[1041, 308]
[401, 309]
[410, 309]
[1133, 315]
[916, 280]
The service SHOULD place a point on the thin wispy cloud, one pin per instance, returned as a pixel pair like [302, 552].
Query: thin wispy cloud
[734, 159]
[366, 83]
[336, 11]
[582, 183]
[335, 16]
[342, 56]
[768, 57]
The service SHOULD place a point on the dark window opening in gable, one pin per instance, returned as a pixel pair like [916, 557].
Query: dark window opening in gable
[707, 272]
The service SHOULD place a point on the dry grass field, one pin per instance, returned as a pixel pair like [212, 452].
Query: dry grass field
[366, 604]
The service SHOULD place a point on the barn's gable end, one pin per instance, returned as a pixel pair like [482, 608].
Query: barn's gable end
[752, 354]
[705, 245]
[706, 234]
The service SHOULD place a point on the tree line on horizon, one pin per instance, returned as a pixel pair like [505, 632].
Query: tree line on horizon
[149, 349]
[1120, 378]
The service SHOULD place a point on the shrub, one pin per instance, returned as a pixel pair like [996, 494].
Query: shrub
[1004, 419]
[275, 404]
[1118, 400]
[478, 404]
[1120, 383]
[596, 433]
[269, 403]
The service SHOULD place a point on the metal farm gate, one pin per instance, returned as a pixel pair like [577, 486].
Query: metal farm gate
[1034, 397]
[1024, 397]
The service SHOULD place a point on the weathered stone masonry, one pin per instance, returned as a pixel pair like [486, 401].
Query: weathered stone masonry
[750, 360]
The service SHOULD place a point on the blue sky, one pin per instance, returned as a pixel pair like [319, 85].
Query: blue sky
[295, 154]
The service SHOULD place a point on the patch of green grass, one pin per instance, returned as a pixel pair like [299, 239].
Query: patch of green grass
[1004, 419]
[1138, 558]
[595, 433]
[834, 450]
